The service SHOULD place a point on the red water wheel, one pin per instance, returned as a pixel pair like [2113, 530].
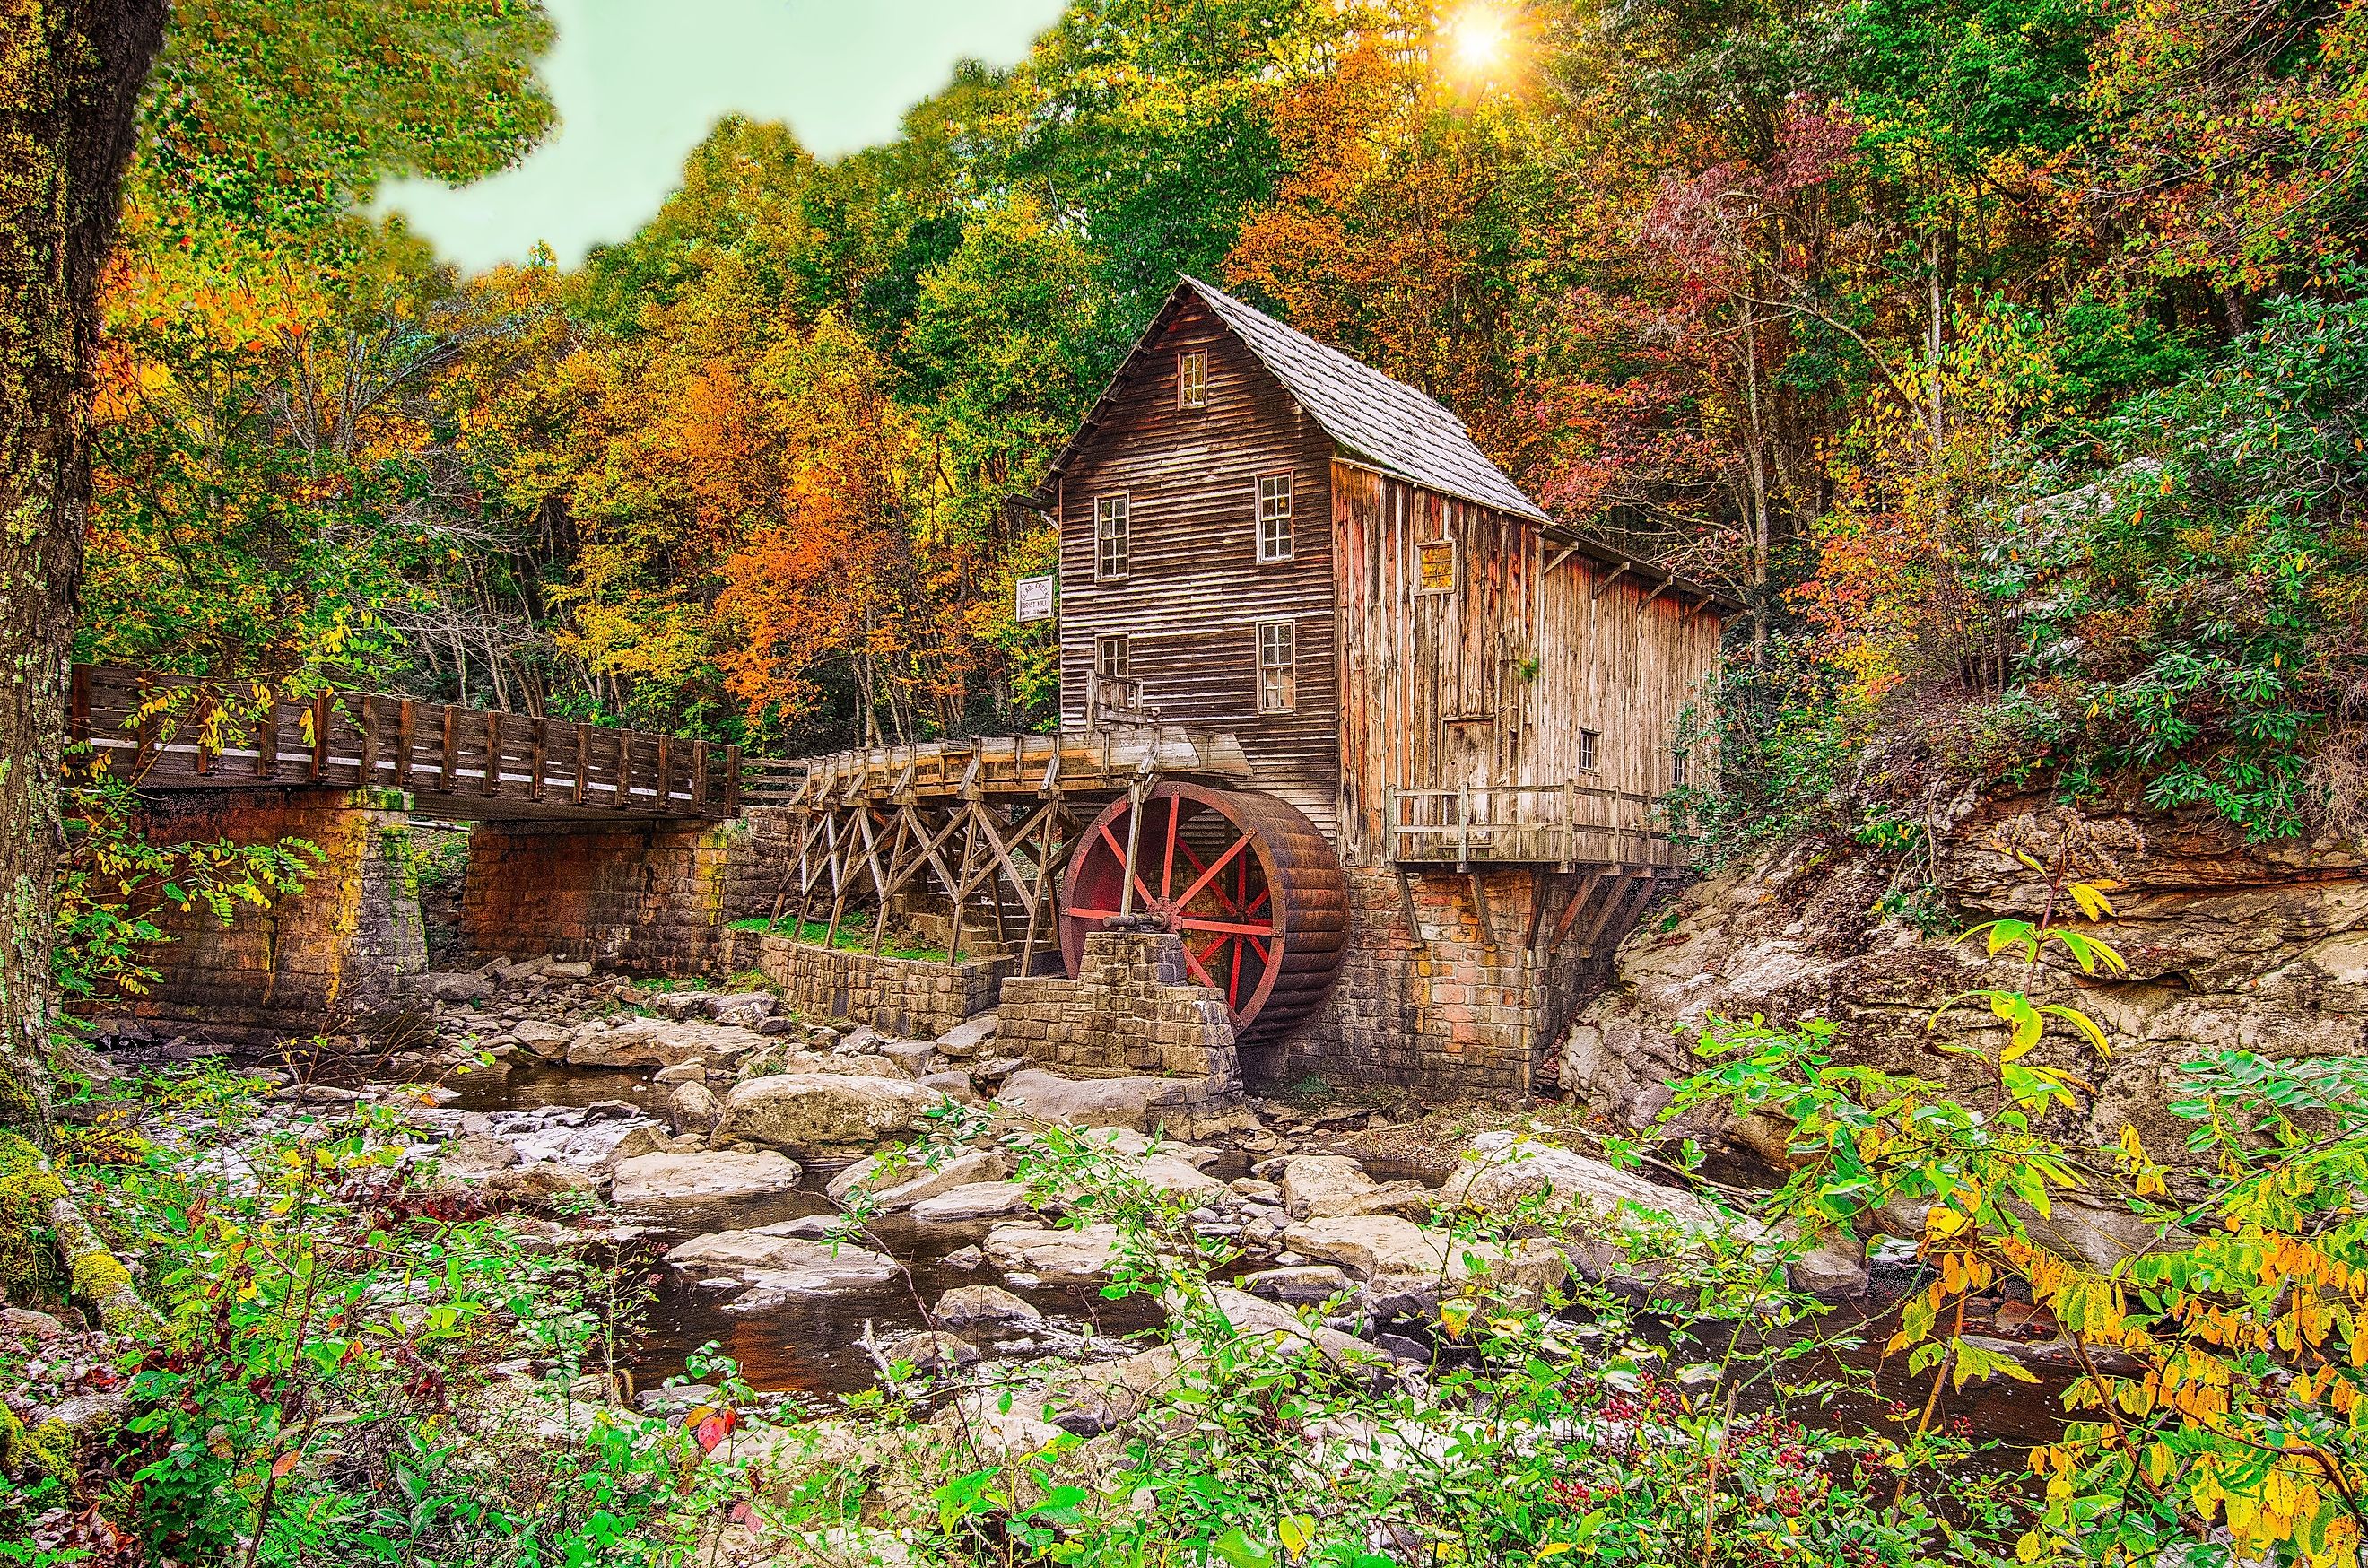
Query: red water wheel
[1250, 884]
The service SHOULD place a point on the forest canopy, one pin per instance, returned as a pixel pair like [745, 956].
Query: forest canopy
[2002, 355]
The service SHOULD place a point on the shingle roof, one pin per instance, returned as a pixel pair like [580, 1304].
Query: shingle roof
[1384, 422]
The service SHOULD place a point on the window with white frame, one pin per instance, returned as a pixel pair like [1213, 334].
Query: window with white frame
[1114, 657]
[1590, 744]
[1677, 761]
[1192, 379]
[1110, 542]
[1278, 666]
[1274, 517]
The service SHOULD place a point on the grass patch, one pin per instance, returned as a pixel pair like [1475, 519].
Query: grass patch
[854, 937]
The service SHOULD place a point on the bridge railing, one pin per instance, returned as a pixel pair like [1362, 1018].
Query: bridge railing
[162, 732]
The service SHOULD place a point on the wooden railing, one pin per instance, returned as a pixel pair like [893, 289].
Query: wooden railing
[177, 732]
[1564, 825]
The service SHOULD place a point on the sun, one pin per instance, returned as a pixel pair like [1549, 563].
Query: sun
[1479, 37]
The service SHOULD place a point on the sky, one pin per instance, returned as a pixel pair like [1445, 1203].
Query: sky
[639, 82]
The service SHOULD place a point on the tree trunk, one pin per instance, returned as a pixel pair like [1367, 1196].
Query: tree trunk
[71, 72]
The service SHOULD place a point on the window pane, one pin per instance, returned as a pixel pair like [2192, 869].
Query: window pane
[1274, 517]
[1277, 676]
[1111, 536]
[1192, 380]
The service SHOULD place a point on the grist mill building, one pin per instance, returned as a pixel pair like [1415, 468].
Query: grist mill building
[1458, 716]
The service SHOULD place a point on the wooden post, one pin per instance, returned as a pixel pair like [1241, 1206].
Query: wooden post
[624, 770]
[406, 717]
[267, 739]
[583, 761]
[493, 779]
[78, 707]
[202, 712]
[448, 771]
[541, 754]
[732, 765]
[1463, 828]
[368, 769]
[699, 776]
[1134, 794]
[321, 709]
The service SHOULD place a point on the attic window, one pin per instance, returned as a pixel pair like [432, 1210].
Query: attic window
[1435, 566]
[1110, 541]
[1192, 379]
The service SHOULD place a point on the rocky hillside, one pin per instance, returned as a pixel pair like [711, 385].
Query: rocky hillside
[2262, 947]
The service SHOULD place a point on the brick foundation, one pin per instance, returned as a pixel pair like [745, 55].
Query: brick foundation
[651, 898]
[332, 959]
[912, 998]
[1438, 1009]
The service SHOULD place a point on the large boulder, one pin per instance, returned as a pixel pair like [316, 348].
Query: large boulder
[817, 1115]
[635, 1042]
[648, 1179]
[1086, 1102]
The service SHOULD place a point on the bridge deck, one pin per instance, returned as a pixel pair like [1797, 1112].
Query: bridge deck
[175, 732]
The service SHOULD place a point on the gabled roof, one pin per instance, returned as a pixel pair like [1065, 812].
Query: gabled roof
[1377, 420]
[1385, 422]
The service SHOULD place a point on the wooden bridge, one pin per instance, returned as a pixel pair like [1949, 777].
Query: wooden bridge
[177, 732]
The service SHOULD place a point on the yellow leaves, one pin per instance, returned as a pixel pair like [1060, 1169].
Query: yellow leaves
[2091, 897]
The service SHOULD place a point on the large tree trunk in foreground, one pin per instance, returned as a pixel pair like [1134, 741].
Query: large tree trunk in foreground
[70, 73]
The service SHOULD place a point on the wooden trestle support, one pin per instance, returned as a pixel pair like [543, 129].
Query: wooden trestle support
[995, 821]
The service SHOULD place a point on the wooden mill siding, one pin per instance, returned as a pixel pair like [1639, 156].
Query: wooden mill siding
[1195, 590]
[1490, 684]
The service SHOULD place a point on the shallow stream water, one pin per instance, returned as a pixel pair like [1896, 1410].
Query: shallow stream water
[810, 1343]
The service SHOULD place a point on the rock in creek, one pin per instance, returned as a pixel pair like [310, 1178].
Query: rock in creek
[979, 1200]
[673, 1178]
[1407, 1268]
[776, 1264]
[1334, 1187]
[894, 1181]
[967, 1304]
[1502, 1170]
[1300, 1286]
[1082, 1253]
[815, 1115]
[1085, 1102]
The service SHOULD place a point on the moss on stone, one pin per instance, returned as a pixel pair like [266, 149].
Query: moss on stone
[28, 1264]
[46, 1449]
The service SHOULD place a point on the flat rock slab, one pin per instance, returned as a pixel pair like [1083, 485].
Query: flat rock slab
[1084, 1253]
[771, 1261]
[896, 1181]
[979, 1200]
[676, 1178]
[1086, 1102]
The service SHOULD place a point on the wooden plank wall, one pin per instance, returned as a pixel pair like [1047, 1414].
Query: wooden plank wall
[1195, 589]
[1491, 684]
[163, 733]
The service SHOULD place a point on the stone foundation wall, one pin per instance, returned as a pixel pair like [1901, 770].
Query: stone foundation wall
[912, 998]
[1132, 1010]
[1445, 1008]
[332, 959]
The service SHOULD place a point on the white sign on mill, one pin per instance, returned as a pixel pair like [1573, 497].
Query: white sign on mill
[1034, 596]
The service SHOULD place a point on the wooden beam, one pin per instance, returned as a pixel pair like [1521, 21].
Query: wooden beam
[1487, 917]
[1406, 899]
[1539, 887]
[1570, 911]
[1605, 586]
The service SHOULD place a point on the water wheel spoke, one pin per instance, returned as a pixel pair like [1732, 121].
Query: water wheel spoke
[1078, 913]
[1201, 975]
[1136, 876]
[1168, 861]
[1232, 851]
